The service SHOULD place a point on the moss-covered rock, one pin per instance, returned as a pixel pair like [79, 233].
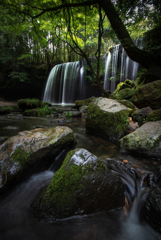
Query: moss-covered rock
[148, 95]
[107, 118]
[80, 103]
[126, 93]
[154, 116]
[145, 141]
[127, 104]
[5, 110]
[123, 85]
[139, 113]
[31, 148]
[31, 103]
[83, 185]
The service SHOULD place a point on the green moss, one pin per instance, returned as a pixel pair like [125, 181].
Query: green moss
[106, 123]
[80, 103]
[126, 93]
[67, 181]
[127, 104]
[6, 109]
[22, 157]
[154, 116]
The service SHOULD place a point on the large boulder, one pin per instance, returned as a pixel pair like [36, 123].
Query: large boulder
[107, 118]
[148, 95]
[145, 141]
[83, 185]
[31, 149]
[126, 93]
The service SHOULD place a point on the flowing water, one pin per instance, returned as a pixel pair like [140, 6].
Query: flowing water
[17, 221]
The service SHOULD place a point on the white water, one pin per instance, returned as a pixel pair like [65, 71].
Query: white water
[61, 86]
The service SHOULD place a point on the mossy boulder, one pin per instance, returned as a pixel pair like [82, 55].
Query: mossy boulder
[107, 118]
[80, 103]
[148, 95]
[151, 117]
[83, 185]
[31, 149]
[31, 103]
[141, 113]
[145, 141]
[127, 104]
[123, 85]
[126, 93]
[6, 109]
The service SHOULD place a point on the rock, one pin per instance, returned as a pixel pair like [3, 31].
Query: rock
[145, 141]
[126, 93]
[58, 120]
[152, 209]
[127, 104]
[31, 149]
[16, 116]
[11, 128]
[31, 103]
[83, 185]
[148, 95]
[108, 118]
[123, 85]
[154, 116]
[5, 109]
[80, 103]
[83, 109]
[141, 113]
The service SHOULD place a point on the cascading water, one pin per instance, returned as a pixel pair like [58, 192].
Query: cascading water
[63, 83]
[118, 61]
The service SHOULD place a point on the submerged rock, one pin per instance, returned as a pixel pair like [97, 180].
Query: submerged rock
[83, 185]
[30, 149]
[145, 141]
[148, 95]
[107, 118]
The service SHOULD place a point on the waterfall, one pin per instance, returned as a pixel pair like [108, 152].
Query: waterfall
[63, 83]
[118, 63]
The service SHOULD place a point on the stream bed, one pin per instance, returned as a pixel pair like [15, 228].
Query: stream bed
[17, 221]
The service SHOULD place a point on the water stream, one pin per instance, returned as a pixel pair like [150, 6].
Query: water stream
[18, 223]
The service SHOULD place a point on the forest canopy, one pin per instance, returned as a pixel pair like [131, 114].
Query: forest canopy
[52, 32]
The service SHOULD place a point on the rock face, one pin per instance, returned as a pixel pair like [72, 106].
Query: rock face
[107, 118]
[152, 209]
[31, 149]
[145, 141]
[83, 185]
[148, 95]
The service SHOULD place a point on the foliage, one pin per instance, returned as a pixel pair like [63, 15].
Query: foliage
[141, 77]
[68, 114]
[44, 111]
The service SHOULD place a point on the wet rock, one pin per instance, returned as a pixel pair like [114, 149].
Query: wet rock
[145, 141]
[16, 116]
[83, 185]
[107, 118]
[11, 128]
[83, 109]
[152, 209]
[58, 120]
[31, 149]
[141, 113]
[148, 95]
